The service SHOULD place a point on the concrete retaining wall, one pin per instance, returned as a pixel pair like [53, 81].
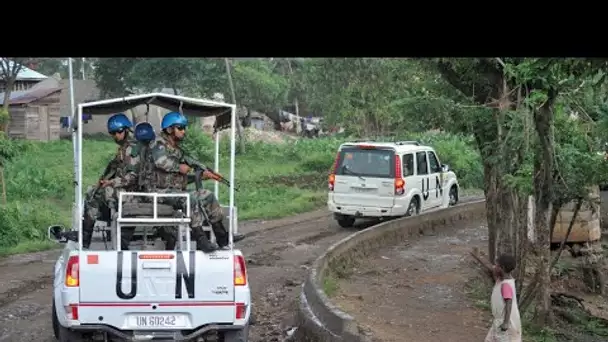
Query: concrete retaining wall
[319, 320]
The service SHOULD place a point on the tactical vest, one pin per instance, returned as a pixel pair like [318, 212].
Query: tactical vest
[169, 180]
[121, 159]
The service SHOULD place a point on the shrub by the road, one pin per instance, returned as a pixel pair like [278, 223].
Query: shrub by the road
[274, 179]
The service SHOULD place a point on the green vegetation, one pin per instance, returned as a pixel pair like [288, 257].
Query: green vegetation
[274, 180]
[519, 127]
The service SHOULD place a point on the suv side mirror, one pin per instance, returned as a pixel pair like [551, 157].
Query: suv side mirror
[55, 233]
[445, 167]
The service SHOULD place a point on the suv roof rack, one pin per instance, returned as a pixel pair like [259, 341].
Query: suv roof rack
[407, 142]
[361, 140]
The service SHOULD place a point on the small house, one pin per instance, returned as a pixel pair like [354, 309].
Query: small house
[35, 112]
[26, 79]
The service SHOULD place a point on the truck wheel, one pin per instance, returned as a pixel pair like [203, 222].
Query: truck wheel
[237, 335]
[55, 322]
[63, 334]
[346, 221]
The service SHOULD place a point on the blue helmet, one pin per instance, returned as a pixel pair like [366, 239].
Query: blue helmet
[118, 122]
[173, 119]
[144, 132]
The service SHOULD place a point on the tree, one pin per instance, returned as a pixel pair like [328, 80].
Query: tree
[505, 86]
[9, 70]
[112, 76]
[258, 87]
[52, 66]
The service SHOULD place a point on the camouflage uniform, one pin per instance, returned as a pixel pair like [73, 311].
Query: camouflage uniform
[167, 179]
[125, 179]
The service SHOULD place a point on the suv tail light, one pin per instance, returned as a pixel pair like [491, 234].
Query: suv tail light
[332, 175]
[399, 181]
[240, 271]
[72, 274]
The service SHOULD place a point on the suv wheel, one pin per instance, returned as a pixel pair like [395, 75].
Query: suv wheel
[414, 207]
[345, 221]
[453, 196]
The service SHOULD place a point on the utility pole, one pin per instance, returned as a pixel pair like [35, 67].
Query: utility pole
[296, 104]
[83, 70]
[238, 121]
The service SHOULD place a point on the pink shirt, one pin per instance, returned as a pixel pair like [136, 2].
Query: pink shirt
[507, 291]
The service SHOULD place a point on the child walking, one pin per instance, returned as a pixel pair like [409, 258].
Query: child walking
[506, 323]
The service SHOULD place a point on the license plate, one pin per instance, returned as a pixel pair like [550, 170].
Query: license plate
[157, 321]
[364, 190]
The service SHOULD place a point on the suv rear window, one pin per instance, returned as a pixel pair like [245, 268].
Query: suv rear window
[366, 162]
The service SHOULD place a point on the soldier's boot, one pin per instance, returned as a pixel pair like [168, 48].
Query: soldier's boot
[87, 232]
[237, 237]
[221, 234]
[202, 242]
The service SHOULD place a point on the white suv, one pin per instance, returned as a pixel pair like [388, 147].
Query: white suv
[377, 179]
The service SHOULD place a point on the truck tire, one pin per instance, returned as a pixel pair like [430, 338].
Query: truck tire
[63, 334]
[55, 322]
[237, 335]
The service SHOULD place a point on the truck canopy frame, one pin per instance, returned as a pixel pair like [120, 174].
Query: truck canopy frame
[225, 114]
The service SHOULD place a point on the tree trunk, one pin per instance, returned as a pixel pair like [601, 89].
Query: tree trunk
[543, 195]
[492, 206]
[5, 105]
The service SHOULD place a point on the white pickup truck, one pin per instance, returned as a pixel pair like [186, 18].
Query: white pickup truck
[143, 295]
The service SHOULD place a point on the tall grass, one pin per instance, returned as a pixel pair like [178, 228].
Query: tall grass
[275, 180]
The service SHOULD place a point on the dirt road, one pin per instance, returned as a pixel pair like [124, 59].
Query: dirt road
[279, 253]
[416, 291]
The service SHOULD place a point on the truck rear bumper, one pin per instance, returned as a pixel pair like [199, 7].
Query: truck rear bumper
[144, 335]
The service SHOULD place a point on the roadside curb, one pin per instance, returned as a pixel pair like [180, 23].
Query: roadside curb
[321, 321]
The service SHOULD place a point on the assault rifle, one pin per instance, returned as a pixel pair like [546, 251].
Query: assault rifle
[198, 166]
[108, 173]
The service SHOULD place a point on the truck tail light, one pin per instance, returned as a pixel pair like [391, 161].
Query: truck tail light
[241, 310]
[399, 181]
[72, 274]
[332, 175]
[240, 271]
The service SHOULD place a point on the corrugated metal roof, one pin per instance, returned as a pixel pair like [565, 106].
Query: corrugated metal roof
[27, 96]
[14, 95]
[27, 74]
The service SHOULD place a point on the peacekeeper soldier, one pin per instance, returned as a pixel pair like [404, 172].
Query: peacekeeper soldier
[171, 168]
[145, 136]
[120, 175]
